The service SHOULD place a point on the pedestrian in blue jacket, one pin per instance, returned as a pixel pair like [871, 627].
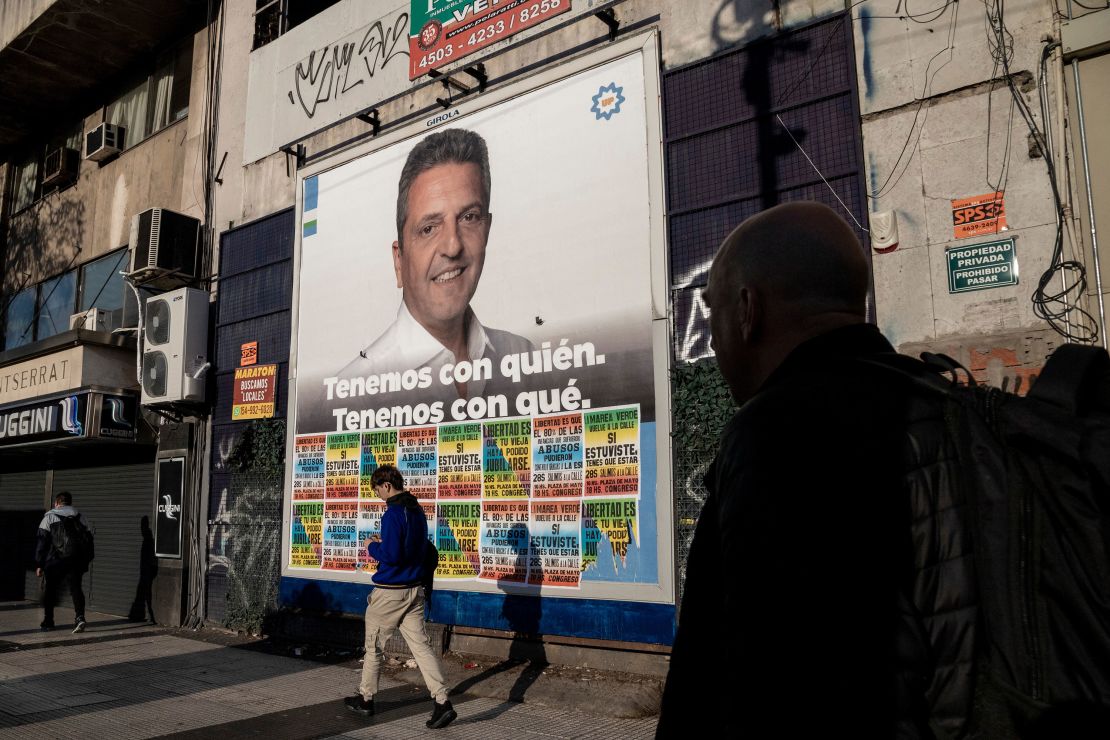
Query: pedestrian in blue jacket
[397, 600]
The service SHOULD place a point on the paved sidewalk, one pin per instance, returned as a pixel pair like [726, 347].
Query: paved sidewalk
[124, 680]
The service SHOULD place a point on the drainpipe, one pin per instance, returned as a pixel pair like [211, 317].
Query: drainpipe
[1090, 201]
[1053, 48]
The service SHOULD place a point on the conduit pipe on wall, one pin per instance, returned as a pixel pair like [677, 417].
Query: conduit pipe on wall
[1090, 200]
[1051, 47]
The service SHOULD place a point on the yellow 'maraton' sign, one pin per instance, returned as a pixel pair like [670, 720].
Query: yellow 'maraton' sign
[254, 392]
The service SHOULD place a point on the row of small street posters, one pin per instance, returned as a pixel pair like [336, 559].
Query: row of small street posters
[525, 500]
[535, 454]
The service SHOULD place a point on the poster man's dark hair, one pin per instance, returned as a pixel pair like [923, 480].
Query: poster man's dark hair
[453, 146]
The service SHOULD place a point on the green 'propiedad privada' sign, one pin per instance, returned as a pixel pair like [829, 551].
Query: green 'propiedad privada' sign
[982, 266]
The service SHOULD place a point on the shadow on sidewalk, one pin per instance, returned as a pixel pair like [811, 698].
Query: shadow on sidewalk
[523, 613]
[129, 682]
[325, 719]
[92, 628]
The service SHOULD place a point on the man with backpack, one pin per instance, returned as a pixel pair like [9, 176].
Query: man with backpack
[63, 553]
[856, 569]
[397, 600]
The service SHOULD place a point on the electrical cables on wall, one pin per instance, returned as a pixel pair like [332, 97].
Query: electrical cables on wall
[1060, 308]
[930, 74]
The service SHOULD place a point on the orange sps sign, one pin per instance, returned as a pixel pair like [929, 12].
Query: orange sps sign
[978, 215]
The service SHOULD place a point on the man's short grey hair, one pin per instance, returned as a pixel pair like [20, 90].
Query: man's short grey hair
[453, 146]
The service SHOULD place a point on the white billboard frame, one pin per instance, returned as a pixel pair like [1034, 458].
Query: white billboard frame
[663, 590]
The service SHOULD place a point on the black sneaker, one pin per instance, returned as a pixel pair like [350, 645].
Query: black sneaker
[79, 627]
[45, 627]
[443, 715]
[357, 704]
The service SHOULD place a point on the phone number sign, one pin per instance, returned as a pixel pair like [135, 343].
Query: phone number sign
[254, 392]
[979, 215]
[443, 31]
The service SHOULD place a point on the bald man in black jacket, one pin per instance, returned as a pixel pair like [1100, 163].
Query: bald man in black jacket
[821, 596]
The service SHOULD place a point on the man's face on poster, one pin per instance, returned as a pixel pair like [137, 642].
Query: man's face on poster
[443, 243]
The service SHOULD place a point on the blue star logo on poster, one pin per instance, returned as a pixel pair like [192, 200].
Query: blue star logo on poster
[608, 101]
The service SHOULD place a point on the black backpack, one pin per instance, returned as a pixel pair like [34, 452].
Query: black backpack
[71, 539]
[428, 570]
[1037, 469]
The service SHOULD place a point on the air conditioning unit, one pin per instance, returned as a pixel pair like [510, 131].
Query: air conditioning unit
[175, 347]
[165, 244]
[60, 167]
[95, 319]
[104, 141]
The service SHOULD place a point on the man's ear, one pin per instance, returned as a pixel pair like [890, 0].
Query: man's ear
[749, 314]
[397, 262]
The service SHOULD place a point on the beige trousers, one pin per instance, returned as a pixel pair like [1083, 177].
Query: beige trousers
[390, 609]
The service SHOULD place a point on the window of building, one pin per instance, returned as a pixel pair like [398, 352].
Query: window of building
[38, 173]
[25, 182]
[44, 309]
[19, 319]
[55, 304]
[272, 18]
[102, 285]
[155, 100]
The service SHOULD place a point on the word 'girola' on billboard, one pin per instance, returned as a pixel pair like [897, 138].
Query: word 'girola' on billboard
[475, 309]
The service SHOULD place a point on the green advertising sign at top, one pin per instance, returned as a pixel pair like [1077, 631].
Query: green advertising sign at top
[444, 31]
[981, 266]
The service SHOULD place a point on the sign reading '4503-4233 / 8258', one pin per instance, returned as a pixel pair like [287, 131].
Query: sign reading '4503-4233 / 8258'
[443, 31]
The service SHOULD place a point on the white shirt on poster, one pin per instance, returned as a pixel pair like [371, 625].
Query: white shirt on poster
[406, 345]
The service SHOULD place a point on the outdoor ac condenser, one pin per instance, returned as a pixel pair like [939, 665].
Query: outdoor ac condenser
[165, 245]
[175, 347]
[95, 319]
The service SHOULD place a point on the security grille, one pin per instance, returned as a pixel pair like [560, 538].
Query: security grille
[114, 499]
[254, 304]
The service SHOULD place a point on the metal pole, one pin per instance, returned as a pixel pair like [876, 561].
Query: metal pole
[1090, 201]
[1050, 156]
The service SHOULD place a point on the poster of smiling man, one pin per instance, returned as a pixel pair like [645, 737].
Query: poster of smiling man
[475, 304]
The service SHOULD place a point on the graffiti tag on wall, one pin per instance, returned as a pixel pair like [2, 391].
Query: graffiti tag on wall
[338, 68]
[1010, 362]
[345, 61]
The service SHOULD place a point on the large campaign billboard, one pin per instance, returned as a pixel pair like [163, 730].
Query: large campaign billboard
[479, 301]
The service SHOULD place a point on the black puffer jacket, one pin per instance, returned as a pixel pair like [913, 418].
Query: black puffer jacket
[828, 589]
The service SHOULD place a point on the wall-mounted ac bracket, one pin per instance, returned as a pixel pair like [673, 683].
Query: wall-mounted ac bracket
[164, 278]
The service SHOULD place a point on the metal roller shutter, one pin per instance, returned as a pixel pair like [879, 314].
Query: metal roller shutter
[23, 491]
[22, 498]
[114, 499]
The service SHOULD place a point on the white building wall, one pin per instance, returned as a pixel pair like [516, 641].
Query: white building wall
[938, 125]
